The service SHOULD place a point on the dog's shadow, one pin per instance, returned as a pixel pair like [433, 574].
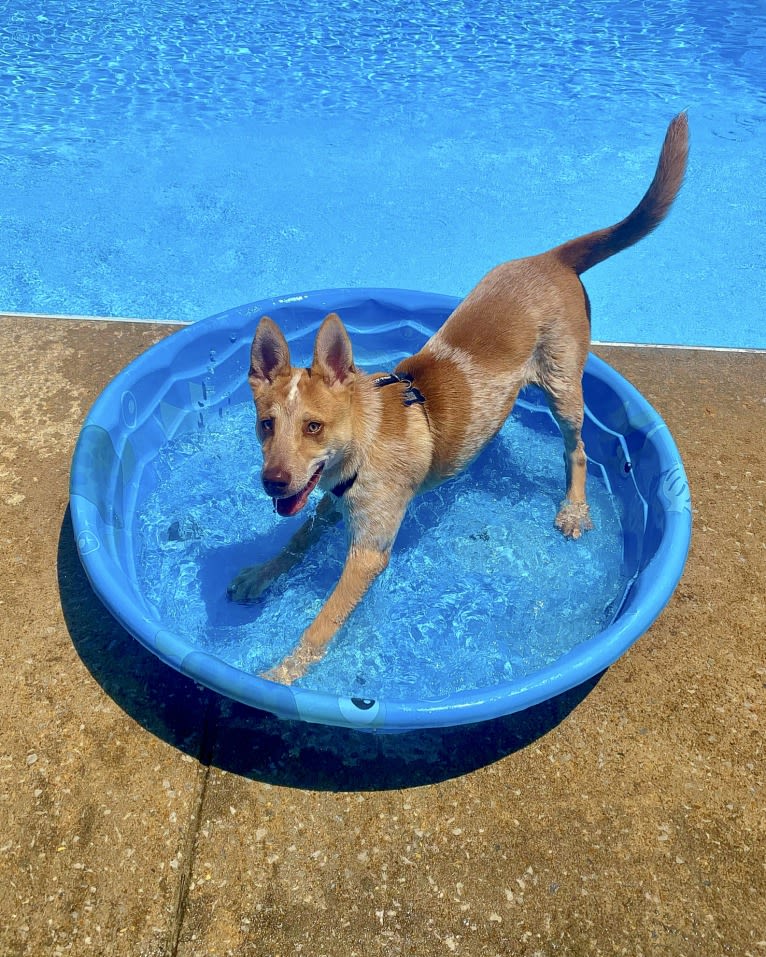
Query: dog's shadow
[254, 744]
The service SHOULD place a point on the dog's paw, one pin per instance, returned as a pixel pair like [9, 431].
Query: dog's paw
[291, 669]
[252, 582]
[573, 519]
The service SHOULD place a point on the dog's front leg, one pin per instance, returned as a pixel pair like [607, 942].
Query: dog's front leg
[252, 581]
[363, 566]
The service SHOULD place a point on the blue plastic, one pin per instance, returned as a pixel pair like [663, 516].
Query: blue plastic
[194, 374]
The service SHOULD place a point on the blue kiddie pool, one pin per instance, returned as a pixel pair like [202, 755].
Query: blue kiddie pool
[485, 608]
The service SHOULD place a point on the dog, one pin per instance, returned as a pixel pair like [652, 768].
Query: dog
[372, 442]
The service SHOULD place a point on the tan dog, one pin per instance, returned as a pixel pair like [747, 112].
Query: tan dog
[374, 441]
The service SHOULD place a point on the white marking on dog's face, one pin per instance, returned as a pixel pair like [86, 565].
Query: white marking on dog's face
[292, 394]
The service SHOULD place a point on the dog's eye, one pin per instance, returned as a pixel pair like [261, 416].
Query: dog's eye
[267, 425]
[313, 428]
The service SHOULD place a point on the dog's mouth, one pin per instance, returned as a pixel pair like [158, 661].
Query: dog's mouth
[292, 504]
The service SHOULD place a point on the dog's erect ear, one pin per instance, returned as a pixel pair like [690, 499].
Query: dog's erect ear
[333, 359]
[270, 355]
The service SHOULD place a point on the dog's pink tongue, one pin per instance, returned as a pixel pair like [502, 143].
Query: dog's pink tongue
[287, 507]
[292, 505]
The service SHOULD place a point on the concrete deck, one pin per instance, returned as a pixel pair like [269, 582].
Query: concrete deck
[142, 815]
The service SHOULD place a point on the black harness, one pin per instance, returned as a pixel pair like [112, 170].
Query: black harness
[410, 396]
[342, 487]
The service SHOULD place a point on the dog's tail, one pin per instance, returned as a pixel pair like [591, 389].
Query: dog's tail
[586, 251]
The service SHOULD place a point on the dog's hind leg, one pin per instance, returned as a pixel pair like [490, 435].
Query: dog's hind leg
[568, 410]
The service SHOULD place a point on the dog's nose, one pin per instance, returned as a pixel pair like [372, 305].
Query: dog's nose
[276, 481]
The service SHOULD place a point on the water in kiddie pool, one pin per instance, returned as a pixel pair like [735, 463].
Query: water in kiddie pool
[481, 587]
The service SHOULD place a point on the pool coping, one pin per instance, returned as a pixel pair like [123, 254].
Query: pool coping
[163, 323]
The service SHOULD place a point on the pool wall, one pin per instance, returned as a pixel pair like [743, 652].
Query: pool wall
[199, 371]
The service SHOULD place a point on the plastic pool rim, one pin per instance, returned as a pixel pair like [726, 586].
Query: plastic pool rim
[122, 409]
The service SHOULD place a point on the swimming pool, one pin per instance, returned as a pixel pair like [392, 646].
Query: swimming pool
[166, 163]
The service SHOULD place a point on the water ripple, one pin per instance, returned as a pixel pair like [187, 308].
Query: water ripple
[104, 66]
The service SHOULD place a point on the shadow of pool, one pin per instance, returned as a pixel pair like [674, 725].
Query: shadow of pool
[254, 744]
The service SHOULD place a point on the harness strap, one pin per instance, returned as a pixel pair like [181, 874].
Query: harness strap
[411, 395]
[342, 487]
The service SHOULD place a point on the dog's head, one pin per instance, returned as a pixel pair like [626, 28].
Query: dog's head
[304, 415]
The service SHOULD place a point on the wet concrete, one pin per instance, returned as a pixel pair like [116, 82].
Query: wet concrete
[143, 815]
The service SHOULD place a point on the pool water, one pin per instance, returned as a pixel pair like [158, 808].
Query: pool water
[481, 588]
[165, 162]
